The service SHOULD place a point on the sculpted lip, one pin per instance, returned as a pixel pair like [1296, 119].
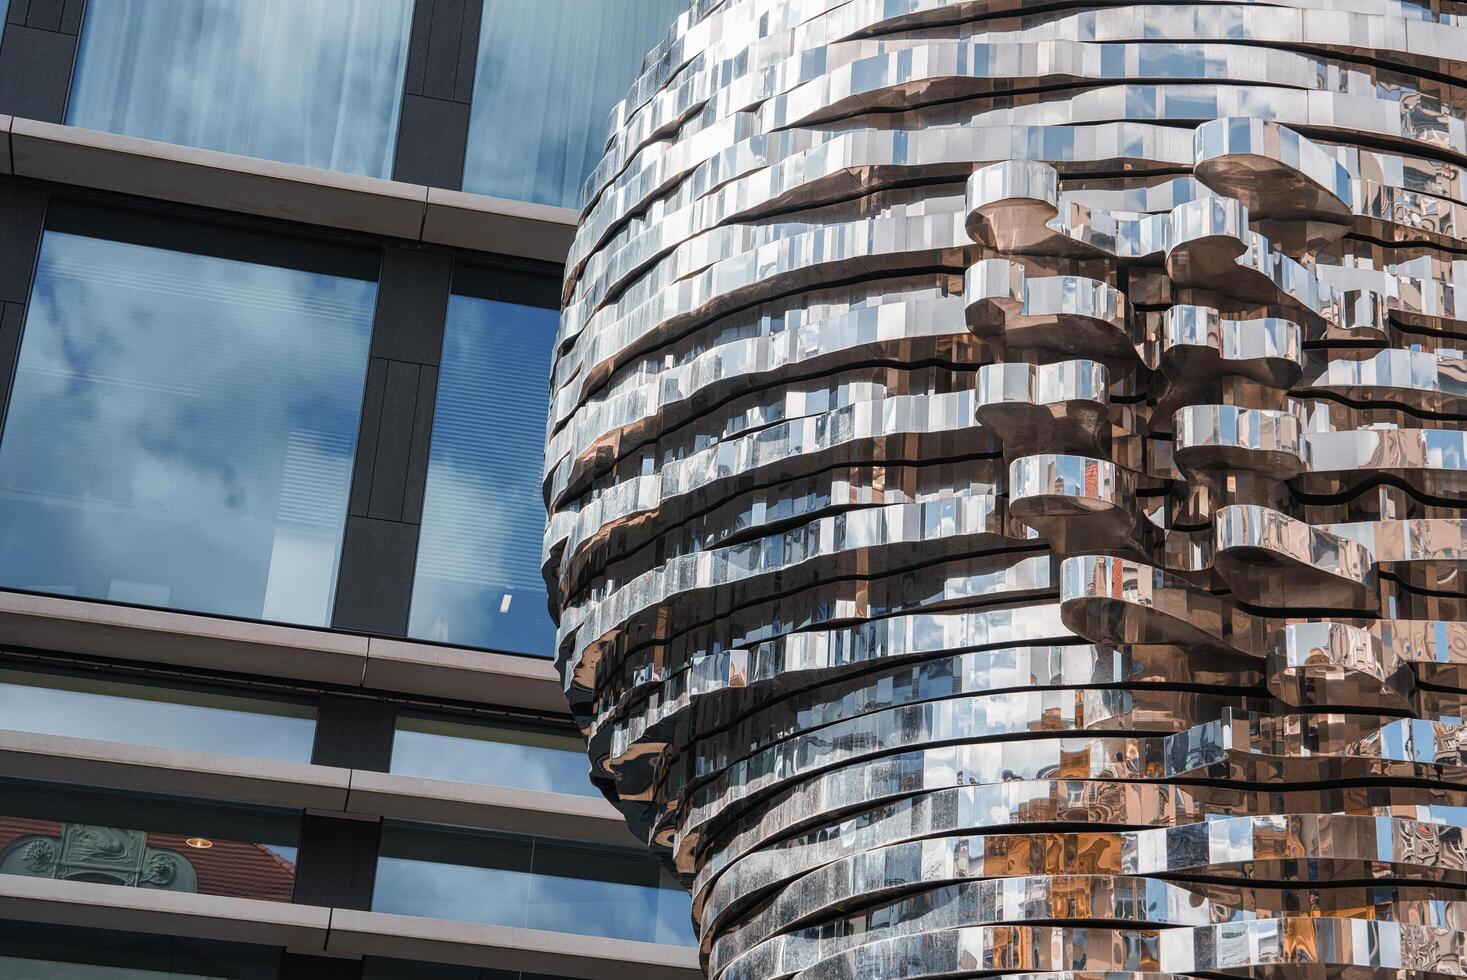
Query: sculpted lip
[1006, 473]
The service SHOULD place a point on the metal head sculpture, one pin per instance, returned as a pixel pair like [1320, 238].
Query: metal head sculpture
[1006, 473]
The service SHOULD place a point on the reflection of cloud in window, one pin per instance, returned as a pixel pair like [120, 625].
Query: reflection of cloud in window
[313, 82]
[183, 428]
[82, 714]
[478, 579]
[498, 896]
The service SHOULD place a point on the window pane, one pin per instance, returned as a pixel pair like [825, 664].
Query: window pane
[314, 82]
[476, 752]
[530, 882]
[181, 429]
[32, 951]
[548, 74]
[378, 968]
[89, 706]
[478, 574]
[155, 843]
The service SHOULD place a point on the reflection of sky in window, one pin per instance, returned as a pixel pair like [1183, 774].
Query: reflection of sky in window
[548, 74]
[50, 705]
[181, 430]
[554, 903]
[478, 580]
[491, 755]
[314, 82]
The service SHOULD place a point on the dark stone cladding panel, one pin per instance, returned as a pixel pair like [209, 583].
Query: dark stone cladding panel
[22, 211]
[392, 453]
[354, 733]
[412, 299]
[337, 863]
[443, 49]
[431, 141]
[360, 498]
[62, 16]
[394, 440]
[392, 447]
[374, 587]
[433, 131]
[35, 72]
[416, 483]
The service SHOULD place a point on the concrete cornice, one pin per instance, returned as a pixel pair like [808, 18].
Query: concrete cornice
[322, 789]
[356, 933]
[248, 185]
[153, 636]
[88, 905]
[504, 808]
[152, 769]
[339, 932]
[462, 674]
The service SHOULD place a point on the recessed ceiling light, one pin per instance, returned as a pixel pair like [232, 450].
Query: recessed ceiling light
[202, 843]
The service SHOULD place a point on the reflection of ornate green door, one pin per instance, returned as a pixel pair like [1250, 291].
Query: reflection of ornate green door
[85, 852]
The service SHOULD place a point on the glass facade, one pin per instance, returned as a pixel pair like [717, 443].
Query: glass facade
[478, 580]
[439, 747]
[548, 75]
[32, 951]
[313, 82]
[182, 425]
[530, 882]
[109, 710]
[376, 968]
[154, 843]
[181, 433]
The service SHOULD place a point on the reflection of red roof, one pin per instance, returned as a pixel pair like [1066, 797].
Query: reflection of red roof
[229, 868]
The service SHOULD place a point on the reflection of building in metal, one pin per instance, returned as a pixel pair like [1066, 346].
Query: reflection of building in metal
[1006, 477]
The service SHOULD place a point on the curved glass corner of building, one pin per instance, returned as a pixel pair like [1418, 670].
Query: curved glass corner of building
[184, 414]
[478, 581]
[547, 77]
[311, 82]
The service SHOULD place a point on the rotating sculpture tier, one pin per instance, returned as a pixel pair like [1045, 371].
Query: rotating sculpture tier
[1006, 479]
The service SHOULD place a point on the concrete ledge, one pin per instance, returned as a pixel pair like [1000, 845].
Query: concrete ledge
[519, 811]
[248, 185]
[150, 769]
[72, 903]
[149, 168]
[99, 629]
[322, 789]
[93, 628]
[489, 224]
[506, 948]
[456, 673]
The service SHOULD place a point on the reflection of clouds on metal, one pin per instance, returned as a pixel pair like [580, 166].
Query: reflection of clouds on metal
[1006, 475]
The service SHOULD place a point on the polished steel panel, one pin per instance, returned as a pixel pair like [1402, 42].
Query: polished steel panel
[1007, 474]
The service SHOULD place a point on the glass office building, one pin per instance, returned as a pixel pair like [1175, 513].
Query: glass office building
[279, 293]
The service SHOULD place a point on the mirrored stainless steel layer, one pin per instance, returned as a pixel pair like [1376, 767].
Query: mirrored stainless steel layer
[1007, 475]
